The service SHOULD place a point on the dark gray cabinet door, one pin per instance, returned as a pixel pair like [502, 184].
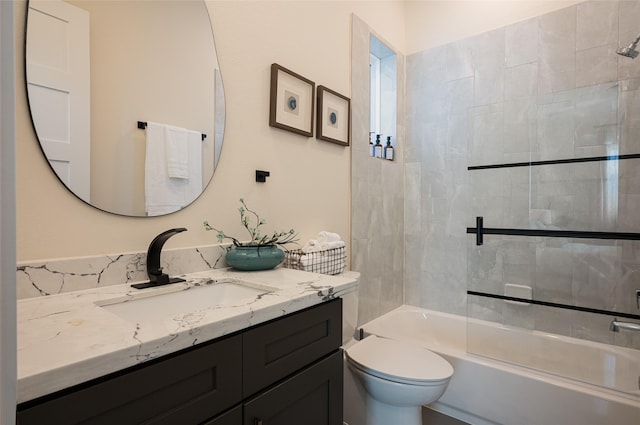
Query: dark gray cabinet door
[311, 397]
[232, 417]
[279, 348]
[188, 388]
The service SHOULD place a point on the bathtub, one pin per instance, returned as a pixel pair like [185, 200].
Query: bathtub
[484, 391]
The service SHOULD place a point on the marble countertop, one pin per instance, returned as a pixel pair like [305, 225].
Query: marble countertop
[69, 338]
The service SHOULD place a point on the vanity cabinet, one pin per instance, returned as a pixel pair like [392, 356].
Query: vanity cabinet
[284, 372]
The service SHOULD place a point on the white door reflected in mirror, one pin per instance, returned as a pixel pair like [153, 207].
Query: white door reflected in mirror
[149, 61]
[59, 89]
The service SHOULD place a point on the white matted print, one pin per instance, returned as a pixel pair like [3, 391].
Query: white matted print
[334, 117]
[291, 105]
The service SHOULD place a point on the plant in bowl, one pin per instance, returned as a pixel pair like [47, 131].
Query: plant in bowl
[261, 251]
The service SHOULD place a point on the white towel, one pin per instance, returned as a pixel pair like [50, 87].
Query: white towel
[164, 194]
[324, 240]
[327, 237]
[177, 152]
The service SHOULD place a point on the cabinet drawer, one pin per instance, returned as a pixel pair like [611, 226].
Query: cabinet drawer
[312, 397]
[275, 350]
[185, 389]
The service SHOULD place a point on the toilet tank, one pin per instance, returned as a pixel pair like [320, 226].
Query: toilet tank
[349, 316]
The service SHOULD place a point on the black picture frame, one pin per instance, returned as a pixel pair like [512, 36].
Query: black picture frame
[333, 123]
[291, 105]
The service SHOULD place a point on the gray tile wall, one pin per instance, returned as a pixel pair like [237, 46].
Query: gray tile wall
[377, 194]
[550, 87]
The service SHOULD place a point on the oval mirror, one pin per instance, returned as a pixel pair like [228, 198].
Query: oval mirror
[118, 92]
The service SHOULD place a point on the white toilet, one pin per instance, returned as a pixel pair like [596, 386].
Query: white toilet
[398, 377]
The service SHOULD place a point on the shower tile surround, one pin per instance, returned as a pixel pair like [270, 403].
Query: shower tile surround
[550, 87]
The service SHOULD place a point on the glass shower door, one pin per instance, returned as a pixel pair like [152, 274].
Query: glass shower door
[553, 245]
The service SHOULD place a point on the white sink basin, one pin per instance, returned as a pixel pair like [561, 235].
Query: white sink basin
[177, 300]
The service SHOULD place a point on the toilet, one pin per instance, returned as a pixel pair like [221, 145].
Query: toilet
[398, 377]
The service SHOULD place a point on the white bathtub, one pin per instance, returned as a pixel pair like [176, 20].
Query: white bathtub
[486, 391]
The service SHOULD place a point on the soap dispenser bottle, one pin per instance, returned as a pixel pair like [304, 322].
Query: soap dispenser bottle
[377, 149]
[388, 150]
[371, 151]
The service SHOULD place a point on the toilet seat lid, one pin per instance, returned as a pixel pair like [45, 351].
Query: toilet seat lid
[398, 360]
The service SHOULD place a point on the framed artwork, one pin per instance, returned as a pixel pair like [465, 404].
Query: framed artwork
[334, 117]
[291, 106]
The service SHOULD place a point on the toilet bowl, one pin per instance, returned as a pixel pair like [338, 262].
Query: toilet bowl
[387, 381]
[398, 377]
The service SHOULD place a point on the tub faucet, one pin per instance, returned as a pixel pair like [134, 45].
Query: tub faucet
[615, 326]
[154, 270]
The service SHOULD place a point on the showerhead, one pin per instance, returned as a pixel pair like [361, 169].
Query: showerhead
[629, 51]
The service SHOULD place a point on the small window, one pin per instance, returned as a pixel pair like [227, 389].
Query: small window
[383, 96]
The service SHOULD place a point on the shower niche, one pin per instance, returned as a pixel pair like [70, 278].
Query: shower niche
[383, 98]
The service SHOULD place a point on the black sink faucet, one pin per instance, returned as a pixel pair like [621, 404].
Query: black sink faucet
[154, 270]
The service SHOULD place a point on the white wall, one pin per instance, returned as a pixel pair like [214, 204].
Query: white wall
[7, 219]
[309, 184]
[434, 23]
